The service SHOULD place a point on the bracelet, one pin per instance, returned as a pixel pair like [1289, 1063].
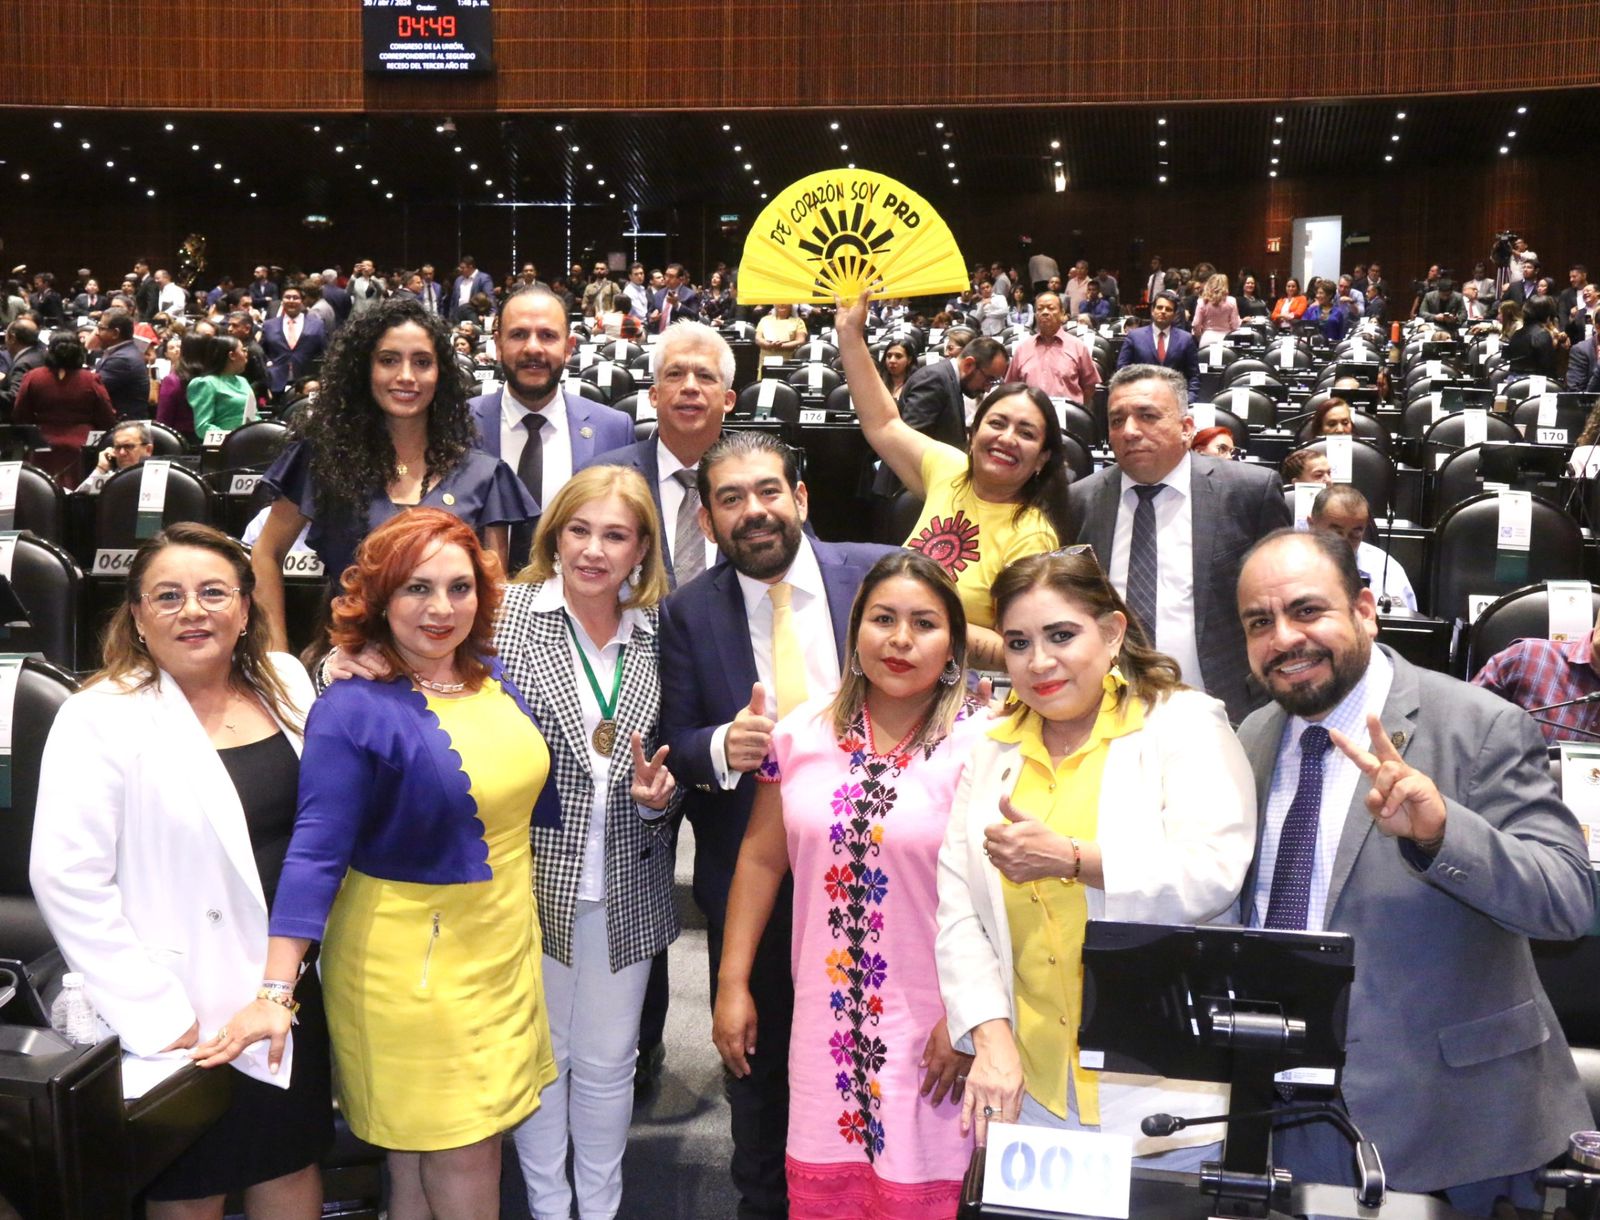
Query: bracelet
[1077, 861]
[282, 996]
[278, 985]
[1430, 847]
[321, 681]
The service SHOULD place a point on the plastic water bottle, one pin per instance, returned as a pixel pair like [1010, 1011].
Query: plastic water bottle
[72, 1014]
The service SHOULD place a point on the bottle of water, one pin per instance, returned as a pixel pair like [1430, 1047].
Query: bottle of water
[72, 1014]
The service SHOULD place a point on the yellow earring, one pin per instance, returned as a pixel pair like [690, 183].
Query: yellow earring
[1113, 682]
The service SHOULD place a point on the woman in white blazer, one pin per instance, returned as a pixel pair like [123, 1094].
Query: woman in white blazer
[166, 796]
[1111, 792]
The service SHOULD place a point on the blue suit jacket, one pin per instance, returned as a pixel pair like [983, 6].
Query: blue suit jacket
[1183, 353]
[127, 380]
[480, 283]
[284, 364]
[606, 427]
[384, 794]
[707, 670]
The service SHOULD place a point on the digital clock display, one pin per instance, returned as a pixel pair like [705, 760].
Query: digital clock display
[427, 36]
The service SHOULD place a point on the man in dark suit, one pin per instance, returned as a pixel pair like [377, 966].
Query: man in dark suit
[541, 431]
[410, 288]
[1170, 529]
[431, 292]
[934, 400]
[91, 301]
[691, 394]
[263, 291]
[675, 299]
[721, 692]
[337, 298]
[467, 284]
[146, 292]
[1162, 343]
[121, 366]
[1521, 290]
[1416, 814]
[293, 342]
[243, 329]
[25, 354]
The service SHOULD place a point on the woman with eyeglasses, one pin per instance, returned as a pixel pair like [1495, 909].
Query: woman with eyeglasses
[1111, 791]
[1214, 442]
[1002, 498]
[166, 800]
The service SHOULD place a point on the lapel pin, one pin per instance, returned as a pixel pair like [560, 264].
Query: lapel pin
[586, 432]
[1398, 739]
[449, 498]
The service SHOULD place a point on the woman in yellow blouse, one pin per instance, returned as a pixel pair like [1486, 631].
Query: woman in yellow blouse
[1003, 498]
[1110, 792]
[780, 334]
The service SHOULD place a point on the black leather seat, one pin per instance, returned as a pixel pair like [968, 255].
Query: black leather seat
[815, 379]
[50, 587]
[1465, 554]
[782, 399]
[1519, 615]
[254, 445]
[611, 379]
[165, 441]
[1251, 405]
[117, 507]
[628, 404]
[1569, 419]
[1371, 473]
[41, 690]
[41, 505]
[590, 391]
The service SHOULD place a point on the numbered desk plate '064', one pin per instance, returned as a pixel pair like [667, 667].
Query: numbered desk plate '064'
[1081, 1173]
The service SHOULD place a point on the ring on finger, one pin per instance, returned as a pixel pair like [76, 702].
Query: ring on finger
[222, 1033]
[989, 1111]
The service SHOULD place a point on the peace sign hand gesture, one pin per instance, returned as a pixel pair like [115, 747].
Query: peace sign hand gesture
[652, 782]
[1403, 802]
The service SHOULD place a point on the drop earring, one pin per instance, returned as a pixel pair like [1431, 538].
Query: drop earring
[855, 665]
[950, 675]
[636, 575]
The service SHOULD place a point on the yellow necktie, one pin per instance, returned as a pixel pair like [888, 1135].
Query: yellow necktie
[788, 664]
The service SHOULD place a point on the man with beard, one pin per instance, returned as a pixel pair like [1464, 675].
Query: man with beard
[1416, 814]
[538, 429]
[741, 645]
[243, 329]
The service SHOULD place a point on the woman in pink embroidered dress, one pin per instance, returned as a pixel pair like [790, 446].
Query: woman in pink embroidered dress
[856, 794]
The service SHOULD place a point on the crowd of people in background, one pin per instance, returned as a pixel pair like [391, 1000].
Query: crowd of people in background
[549, 639]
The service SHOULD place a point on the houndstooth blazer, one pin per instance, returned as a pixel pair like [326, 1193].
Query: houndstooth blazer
[641, 918]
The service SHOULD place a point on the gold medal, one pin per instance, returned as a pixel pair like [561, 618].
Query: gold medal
[605, 736]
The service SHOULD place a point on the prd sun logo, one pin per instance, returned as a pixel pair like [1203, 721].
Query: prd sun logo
[845, 244]
[951, 542]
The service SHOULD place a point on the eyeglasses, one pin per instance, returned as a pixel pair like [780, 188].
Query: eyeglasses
[213, 599]
[1076, 549]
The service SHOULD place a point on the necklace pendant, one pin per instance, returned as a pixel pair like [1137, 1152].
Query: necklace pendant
[401, 469]
[605, 737]
[440, 688]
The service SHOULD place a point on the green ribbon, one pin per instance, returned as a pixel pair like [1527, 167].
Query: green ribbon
[608, 708]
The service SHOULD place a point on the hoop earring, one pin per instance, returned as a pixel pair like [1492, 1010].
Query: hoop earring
[855, 664]
[950, 674]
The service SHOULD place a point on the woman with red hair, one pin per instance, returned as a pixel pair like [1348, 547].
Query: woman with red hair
[411, 864]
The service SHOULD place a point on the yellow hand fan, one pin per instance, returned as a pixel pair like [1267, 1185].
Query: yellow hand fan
[845, 230]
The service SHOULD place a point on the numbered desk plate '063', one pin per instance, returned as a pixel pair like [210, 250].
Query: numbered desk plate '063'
[1080, 1173]
[302, 563]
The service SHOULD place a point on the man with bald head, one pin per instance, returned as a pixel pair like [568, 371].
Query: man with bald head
[1417, 815]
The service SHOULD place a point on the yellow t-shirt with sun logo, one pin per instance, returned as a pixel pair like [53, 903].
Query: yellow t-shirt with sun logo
[973, 540]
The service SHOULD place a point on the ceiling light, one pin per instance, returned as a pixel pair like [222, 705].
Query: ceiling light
[955, 182]
[747, 165]
[237, 181]
[1511, 135]
[374, 181]
[1388, 156]
[217, 165]
[1272, 173]
[852, 165]
[338, 148]
[1275, 160]
[1061, 182]
[755, 181]
[1055, 143]
[86, 145]
[588, 165]
[133, 177]
[738, 148]
[473, 166]
[56, 124]
[939, 125]
[613, 195]
[574, 147]
[1277, 118]
[357, 165]
[1161, 143]
[1400, 114]
[1276, 141]
[252, 194]
[316, 127]
[561, 126]
[1520, 110]
[151, 192]
[110, 164]
[951, 164]
[1504, 149]
[386, 194]
[1058, 165]
[763, 195]
[169, 126]
[602, 181]
[844, 148]
[439, 127]
[1161, 177]
[196, 148]
[1395, 137]
[833, 126]
[1161, 122]
[499, 194]
[25, 176]
[945, 146]
[725, 127]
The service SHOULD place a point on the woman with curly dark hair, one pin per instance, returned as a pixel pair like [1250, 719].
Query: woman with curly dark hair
[389, 431]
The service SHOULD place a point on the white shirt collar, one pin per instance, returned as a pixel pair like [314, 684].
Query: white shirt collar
[803, 574]
[512, 411]
[667, 463]
[1349, 715]
[549, 597]
[1177, 478]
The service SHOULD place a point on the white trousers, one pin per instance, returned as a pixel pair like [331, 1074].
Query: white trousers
[594, 1029]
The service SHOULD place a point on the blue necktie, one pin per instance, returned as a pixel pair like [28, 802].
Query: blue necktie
[1297, 842]
[1142, 572]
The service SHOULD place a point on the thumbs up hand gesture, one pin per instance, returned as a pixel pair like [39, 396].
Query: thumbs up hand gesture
[1024, 849]
[750, 735]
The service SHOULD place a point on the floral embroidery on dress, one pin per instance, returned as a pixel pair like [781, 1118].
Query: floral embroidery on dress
[951, 542]
[856, 889]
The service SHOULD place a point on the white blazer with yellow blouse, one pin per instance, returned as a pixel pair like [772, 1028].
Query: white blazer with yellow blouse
[142, 865]
[1177, 818]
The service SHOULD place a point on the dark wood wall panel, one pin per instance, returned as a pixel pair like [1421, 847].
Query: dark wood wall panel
[1412, 222]
[797, 54]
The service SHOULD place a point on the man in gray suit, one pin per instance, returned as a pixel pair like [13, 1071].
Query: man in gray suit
[1416, 814]
[1171, 527]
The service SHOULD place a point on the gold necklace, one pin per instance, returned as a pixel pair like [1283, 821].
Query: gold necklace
[401, 469]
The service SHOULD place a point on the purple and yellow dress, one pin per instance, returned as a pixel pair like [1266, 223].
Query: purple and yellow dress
[864, 822]
[411, 864]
